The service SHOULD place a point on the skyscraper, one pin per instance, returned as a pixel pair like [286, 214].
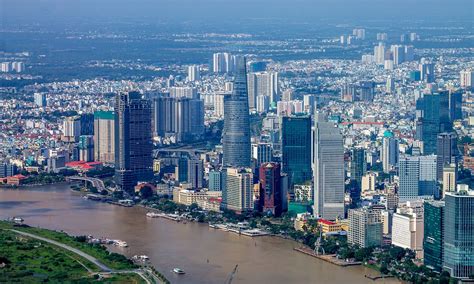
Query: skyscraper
[446, 151]
[238, 190]
[236, 134]
[86, 148]
[104, 137]
[459, 234]
[466, 78]
[40, 99]
[133, 145]
[358, 165]
[328, 170]
[390, 153]
[427, 72]
[417, 177]
[365, 227]
[193, 73]
[296, 148]
[271, 189]
[433, 234]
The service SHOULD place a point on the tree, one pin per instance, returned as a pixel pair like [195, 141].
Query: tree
[146, 192]
[193, 207]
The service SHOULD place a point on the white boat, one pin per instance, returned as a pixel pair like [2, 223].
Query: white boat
[140, 258]
[153, 215]
[178, 270]
[121, 243]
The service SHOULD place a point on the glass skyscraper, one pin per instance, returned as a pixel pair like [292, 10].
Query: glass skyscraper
[459, 234]
[296, 148]
[133, 144]
[433, 234]
[236, 134]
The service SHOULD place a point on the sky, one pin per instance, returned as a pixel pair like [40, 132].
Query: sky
[49, 11]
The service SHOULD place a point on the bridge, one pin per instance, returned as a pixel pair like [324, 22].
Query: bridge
[97, 183]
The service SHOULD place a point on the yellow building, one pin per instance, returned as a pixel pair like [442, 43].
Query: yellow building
[329, 226]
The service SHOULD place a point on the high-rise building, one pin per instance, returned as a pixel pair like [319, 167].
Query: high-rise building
[238, 190]
[446, 151]
[433, 234]
[296, 148]
[262, 153]
[398, 54]
[450, 178]
[379, 53]
[417, 177]
[219, 104]
[466, 78]
[458, 258]
[236, 134]
[263, 104]
[181, 117]
[184, 92]
[104, 137]
[358, 166]
[409, 53]
[365, 227]
[193, 73]
[216, 180]
[390, 153]
[71, 128]
[455, 105]
[257, 66]
[427, 72]
[40, 99]
[133, 144]
[223, 62]
[195, 172]
[262, 84]
[86, 148]
[272, 191]
[407, 227]
[390, 85]
[328, 170]
[308, 103]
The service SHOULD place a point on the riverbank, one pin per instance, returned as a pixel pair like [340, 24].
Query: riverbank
[63, 258]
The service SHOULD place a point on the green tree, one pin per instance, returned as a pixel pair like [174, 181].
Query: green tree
[146, 192]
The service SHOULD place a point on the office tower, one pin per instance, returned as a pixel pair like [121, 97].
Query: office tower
[195, 172]
[271, 189]
[262, 153]
[86, 148]
[184, 92]
[407, 227]
[435, 119]
[427, 72]
[446, 149]
[263, 104]
[450, 177]
[466, 78]
[358, 166]
[238, 190]
[296, 148]
[181, 170]
[87, 124]
[409, 53]
[379, 53]
[328, 170]
[458, 255]
[219, 104]
[365, 227]
[390, 153]
[390, 85]
[417, 177]
[308, 103]
[133, 145]
[216, 180]
[104, 137]
[182, 118]
[193, 73]
[455, 105]
[236, 134]
[7, 170]
[71, 128]
[433, 234]
[40, 99]
[398, 54]
[257, 66]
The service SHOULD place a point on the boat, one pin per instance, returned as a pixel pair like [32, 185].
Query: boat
[143, 258]
[121, 243]
[153, 215]
[178, 270]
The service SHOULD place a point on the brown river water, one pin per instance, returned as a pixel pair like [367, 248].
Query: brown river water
[206, 255]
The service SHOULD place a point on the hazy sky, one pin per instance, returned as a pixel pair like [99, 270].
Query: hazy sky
[228, 10]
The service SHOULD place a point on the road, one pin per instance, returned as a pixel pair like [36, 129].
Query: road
[96, 182]
[104, 268]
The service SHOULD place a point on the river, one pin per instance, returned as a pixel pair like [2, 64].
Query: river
[207, 255]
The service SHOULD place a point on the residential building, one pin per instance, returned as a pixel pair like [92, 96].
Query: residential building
[365, 228]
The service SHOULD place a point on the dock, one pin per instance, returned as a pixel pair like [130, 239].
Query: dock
[331, 258]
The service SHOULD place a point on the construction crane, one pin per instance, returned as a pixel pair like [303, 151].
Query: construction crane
[232, 274]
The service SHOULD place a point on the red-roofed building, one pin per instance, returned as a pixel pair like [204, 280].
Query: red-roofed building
[82, 166]
[329, 227]
[14, 180]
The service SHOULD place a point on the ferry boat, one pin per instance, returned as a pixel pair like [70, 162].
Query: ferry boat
[178, 270]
